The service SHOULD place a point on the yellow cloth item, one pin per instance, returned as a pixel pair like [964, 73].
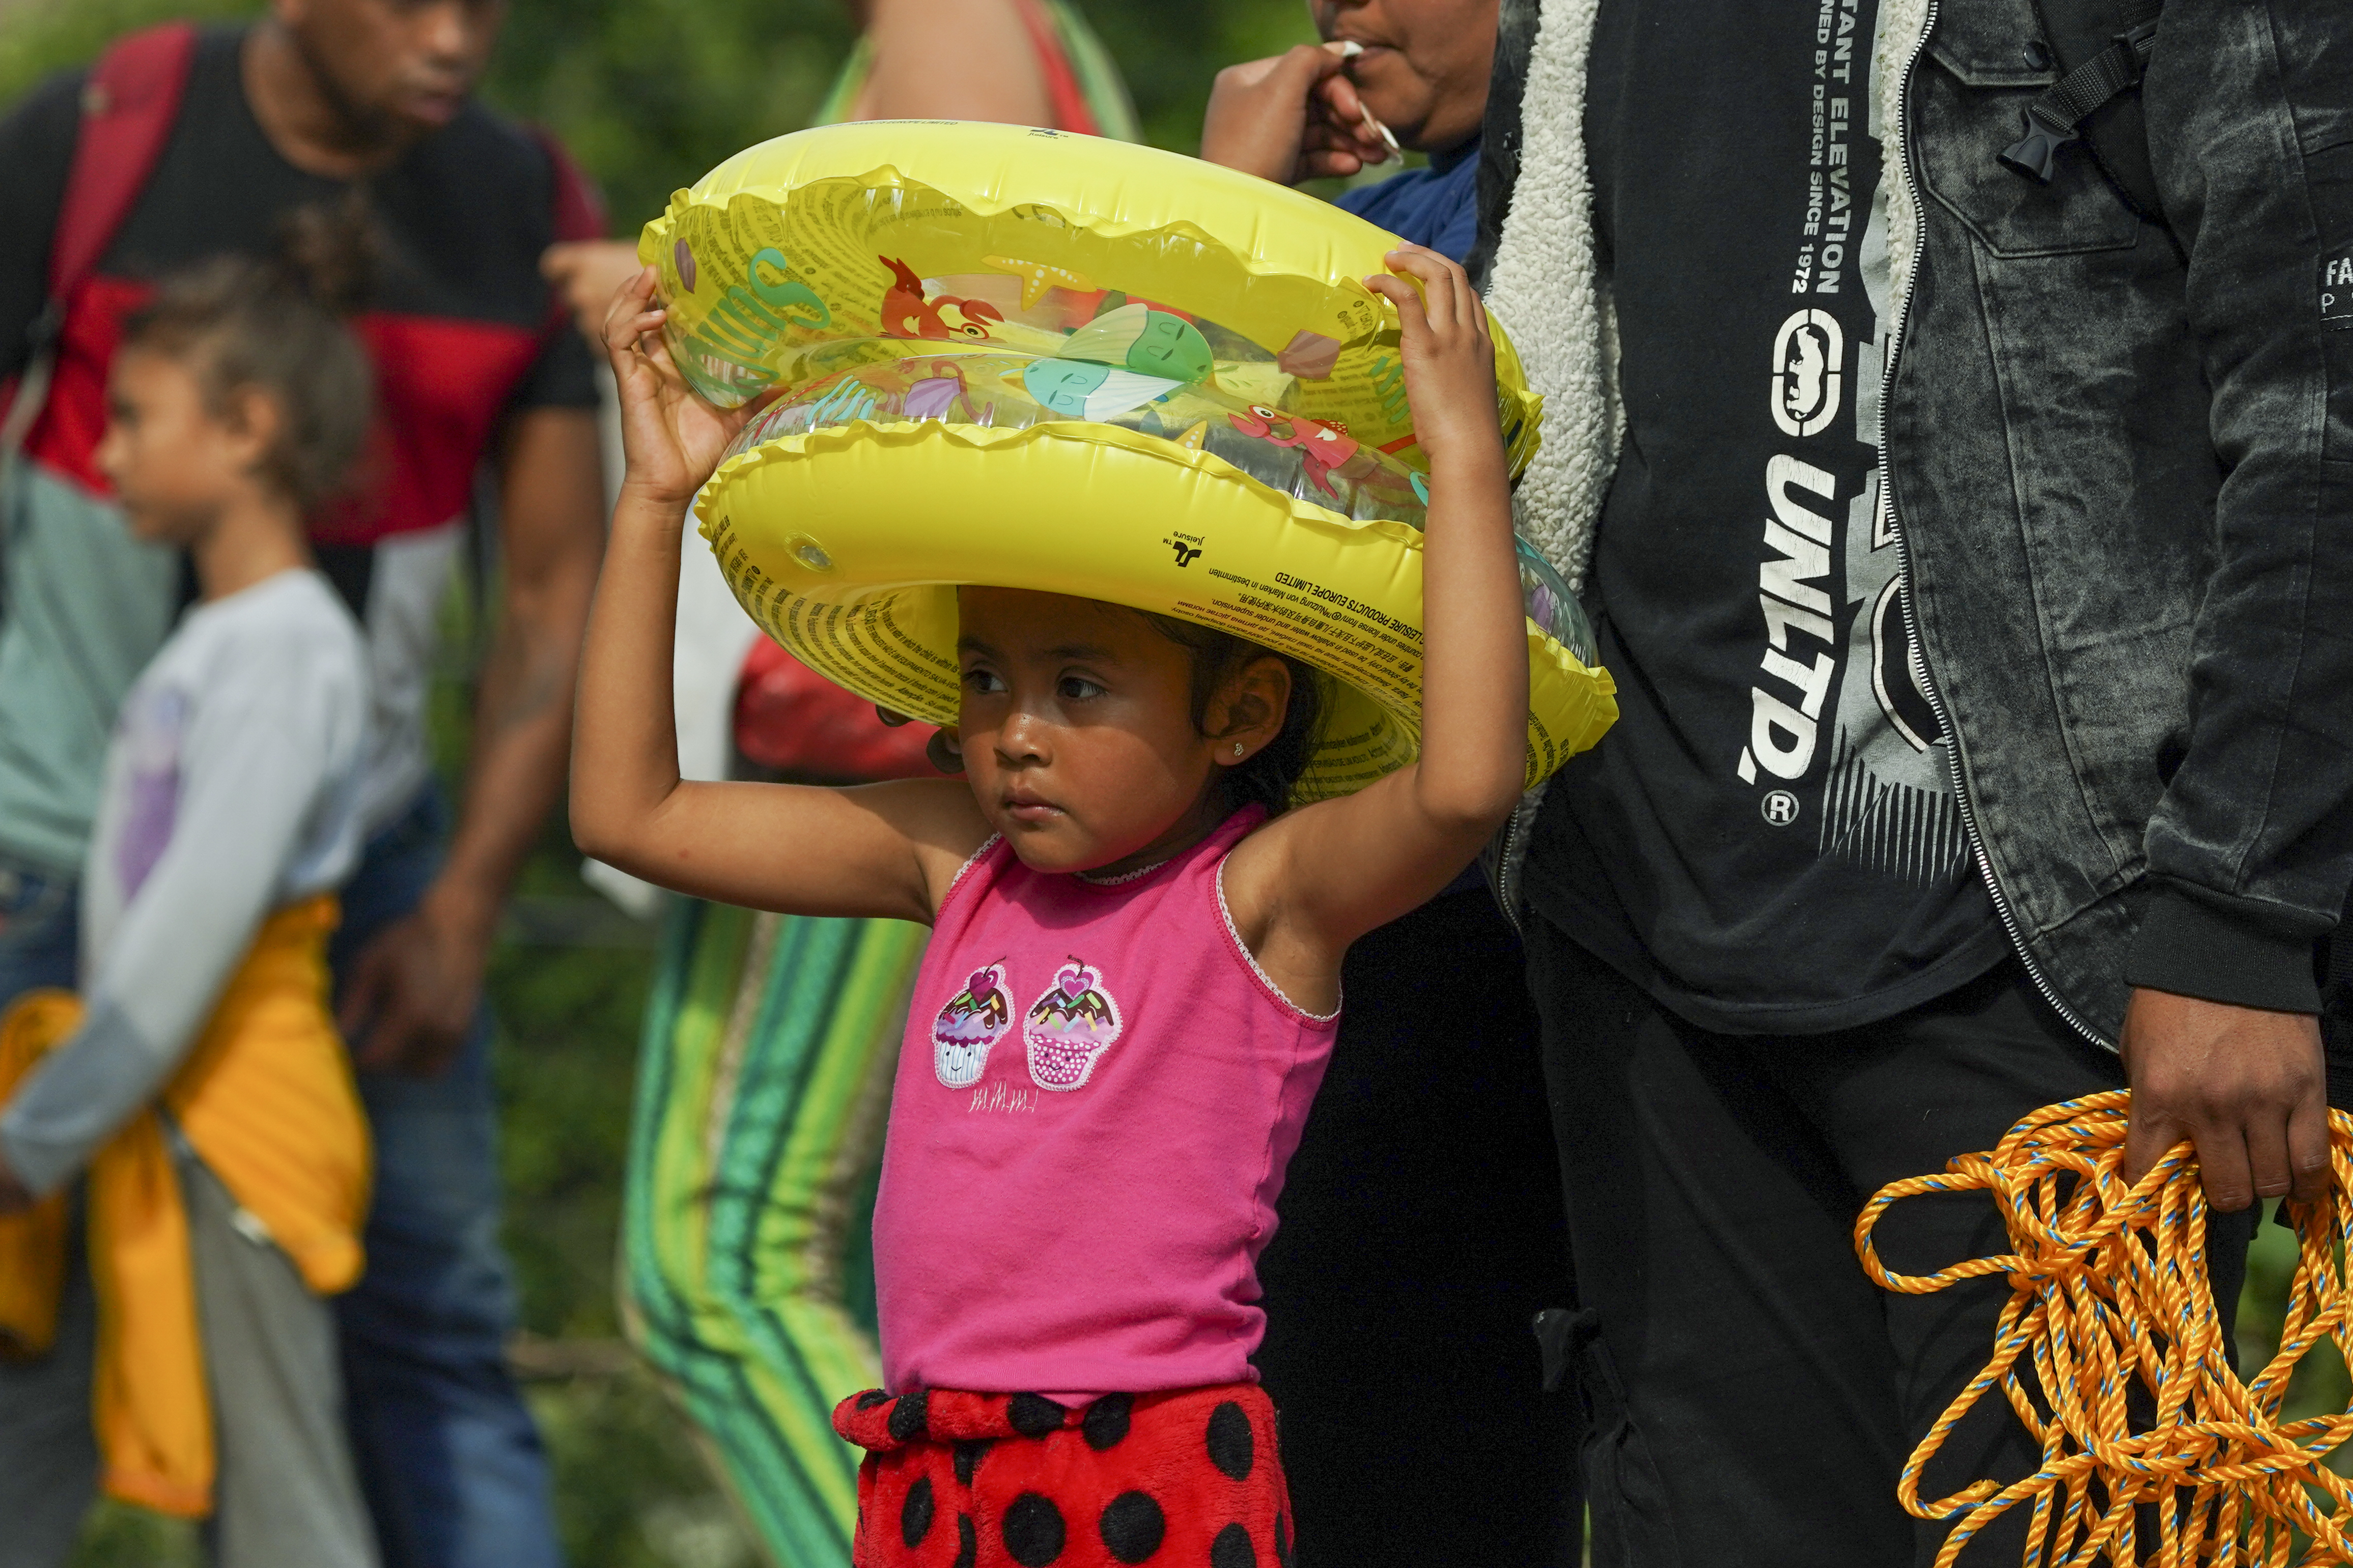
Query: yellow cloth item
[266, 1098]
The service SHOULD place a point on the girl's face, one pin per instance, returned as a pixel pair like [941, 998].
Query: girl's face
[175, 465]
[1077, 729]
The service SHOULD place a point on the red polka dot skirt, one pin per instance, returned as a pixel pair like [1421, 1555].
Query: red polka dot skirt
[1187, 1477]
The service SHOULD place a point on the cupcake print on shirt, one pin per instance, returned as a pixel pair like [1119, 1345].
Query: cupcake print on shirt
[1070, 1027]
[974, 1019]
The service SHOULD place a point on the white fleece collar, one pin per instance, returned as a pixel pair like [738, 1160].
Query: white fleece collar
[1545, 288]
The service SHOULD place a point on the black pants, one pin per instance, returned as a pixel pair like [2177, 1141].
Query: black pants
[1421, 1233]
[1752, 1395]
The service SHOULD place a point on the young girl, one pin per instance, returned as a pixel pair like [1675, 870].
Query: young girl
[216, 1224]
[1130, 991]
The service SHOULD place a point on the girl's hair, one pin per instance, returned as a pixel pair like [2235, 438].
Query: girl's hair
[1268, 777]
[279, 325]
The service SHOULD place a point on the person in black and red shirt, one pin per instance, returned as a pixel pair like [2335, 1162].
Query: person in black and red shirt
[475, 366]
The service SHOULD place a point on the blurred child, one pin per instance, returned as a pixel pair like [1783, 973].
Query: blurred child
[1065, 1278]
[183, 1158]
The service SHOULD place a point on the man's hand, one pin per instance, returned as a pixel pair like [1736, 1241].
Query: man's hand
[413, 989]
[2247, 1086]
[587, 273]
[411, 997]
[1294, 116]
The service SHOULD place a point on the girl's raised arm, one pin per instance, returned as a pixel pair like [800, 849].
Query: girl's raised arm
[1315, 879]
[883, 849]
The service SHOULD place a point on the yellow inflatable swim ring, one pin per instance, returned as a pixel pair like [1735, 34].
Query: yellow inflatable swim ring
[1111, 438]
[951, 233]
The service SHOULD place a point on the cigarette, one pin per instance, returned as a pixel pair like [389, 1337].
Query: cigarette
[1349, 50]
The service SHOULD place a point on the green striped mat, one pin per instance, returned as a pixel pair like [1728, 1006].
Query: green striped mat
[763, 1086]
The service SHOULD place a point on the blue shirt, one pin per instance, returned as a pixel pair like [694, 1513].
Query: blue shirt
[1437, 207]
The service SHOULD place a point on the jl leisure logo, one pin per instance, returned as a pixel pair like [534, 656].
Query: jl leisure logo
[1807, 354]
[2336, 291]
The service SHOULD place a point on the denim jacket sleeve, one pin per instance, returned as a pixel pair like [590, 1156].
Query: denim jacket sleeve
[2250, 107]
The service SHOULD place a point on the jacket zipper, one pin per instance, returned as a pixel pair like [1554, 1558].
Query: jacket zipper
[2001, 904]
[1507, 884]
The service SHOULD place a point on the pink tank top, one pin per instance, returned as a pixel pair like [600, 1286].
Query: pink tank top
[1096, 1100]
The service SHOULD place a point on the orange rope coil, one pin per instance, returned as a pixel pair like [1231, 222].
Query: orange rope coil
[2110, 1297]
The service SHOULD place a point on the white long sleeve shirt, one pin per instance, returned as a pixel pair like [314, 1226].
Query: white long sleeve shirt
[232, 789]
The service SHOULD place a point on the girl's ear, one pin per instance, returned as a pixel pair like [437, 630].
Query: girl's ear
[1249, 708]
[944, 750]
[253, 421]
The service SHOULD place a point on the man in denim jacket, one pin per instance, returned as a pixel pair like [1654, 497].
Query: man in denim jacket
[1969, 549]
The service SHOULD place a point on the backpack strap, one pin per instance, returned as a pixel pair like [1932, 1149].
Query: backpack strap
[2078, 105]
[128, 105]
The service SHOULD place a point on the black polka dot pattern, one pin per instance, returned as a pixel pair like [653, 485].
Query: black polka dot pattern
[1231, 1447]
[1034, 1415]
[1133, 1527]
[873, 1397]
[1034, 1532]
[915, 1515]
[1106, 1421]
[1162, 1480]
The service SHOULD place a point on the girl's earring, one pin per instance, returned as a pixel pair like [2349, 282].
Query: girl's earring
[1237, 748]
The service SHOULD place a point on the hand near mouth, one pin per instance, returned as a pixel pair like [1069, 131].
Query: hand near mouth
[1295, 116]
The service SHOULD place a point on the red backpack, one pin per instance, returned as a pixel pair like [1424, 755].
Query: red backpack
[128, 108]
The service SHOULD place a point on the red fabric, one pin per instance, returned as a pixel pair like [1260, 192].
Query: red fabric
[128, 104]
[1183, 1477]
[1067, 99]
[65, 437]
[441, 384]
[790, 718]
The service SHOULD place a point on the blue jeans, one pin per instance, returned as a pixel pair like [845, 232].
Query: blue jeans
[447, 1454]
[40, 928]
[51, 1453]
